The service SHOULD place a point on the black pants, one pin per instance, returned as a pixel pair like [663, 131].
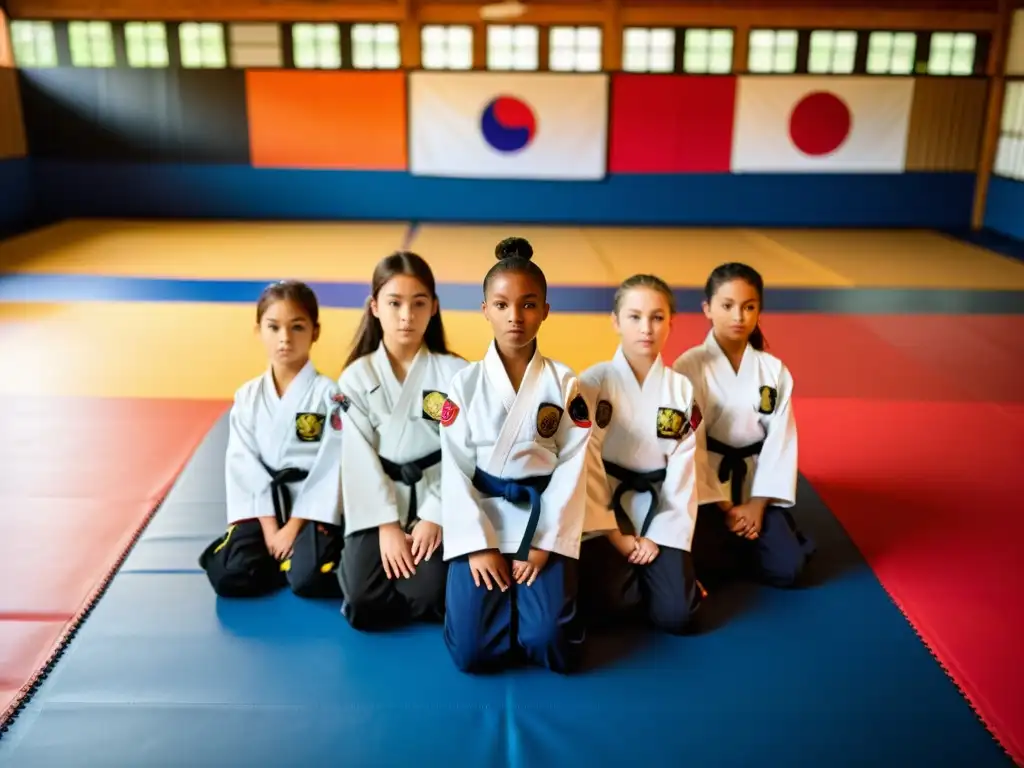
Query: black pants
[239, 564]
[663, 594]
[777, 557]
[373, 601]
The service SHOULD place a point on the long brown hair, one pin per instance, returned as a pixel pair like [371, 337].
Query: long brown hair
[370, 333]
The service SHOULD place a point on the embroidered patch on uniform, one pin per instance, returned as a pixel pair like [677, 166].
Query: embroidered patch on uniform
[603, 414]
[433, 402]
[309, 427]
[769, 397]
[549, 416]
[696, 417]
[341, 403]
[672, 424]
[579, 412]
[448, 413]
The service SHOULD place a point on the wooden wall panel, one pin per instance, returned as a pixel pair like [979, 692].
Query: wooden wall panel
[946, 124]
[1015, 46]
[12, 125]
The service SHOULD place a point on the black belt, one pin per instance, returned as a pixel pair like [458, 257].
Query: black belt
[734, 464]
[638, 482]
[280, 493]
[410, 473]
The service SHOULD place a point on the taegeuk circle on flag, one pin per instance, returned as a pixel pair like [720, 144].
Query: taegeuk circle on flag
[508, 124]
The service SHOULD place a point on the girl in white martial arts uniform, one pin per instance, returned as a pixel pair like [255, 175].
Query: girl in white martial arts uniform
[744, 527]
[283, 463]
[513, 485]
[395, 382]
[643, 459]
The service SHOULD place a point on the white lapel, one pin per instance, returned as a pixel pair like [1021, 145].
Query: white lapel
[518, 406]
[400, 395]
[641, 397]
[735, 386]
[284, 408]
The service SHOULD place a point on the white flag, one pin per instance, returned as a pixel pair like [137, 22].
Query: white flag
[495, 125]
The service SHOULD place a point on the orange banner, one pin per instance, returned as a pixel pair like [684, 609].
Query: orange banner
[327, 120]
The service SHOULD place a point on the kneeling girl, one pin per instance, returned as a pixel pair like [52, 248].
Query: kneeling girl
[643, 461]
[745, 527]
[395, 382]
[513, 493]
[283, 463]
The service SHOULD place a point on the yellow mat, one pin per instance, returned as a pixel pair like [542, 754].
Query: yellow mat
[209, 350]
[903, 259]
[210, 250]
[347, 252]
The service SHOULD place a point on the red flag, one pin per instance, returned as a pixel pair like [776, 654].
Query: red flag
[671, 124]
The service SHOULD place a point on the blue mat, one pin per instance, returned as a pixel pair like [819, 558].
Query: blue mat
[165, 674]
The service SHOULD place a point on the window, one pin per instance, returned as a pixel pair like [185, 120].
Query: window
[575, 49]
[513, 47]
[91, 44]
[316, 46]
[33, 44]
[708, 51]
[772, 50]
[648, 50]
[145, 44]
[446, 47]
[255, 45]
[832, 53]
[952, 53]
[891, 53]
[202, 45]
[375, 46]
[1009, 161]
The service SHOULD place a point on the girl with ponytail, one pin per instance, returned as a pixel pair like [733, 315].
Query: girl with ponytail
[744, 525]
[395, 383]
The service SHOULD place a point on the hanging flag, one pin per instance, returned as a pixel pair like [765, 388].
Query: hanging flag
[491, 125]
[822, 124]
[671, 123]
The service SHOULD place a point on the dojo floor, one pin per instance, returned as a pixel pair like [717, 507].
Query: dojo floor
[124, 341]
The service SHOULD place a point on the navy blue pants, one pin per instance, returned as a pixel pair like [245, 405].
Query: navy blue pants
[776, 557]
[663, 594]
[488, 629]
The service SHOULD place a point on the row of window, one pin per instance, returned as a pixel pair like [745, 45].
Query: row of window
[332, 45]
[1009, 160]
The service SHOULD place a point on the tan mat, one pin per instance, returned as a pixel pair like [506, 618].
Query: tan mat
[903, 259]
[206, 250]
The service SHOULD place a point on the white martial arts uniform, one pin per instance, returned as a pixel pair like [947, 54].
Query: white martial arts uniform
[744, 408]
[486, 424]
[268, 434]
[399, 422]
[644, 429]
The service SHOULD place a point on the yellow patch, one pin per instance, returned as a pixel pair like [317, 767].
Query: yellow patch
[548, 418]
[671, 423]
[433, 402]
[309, 427]
[769, 397]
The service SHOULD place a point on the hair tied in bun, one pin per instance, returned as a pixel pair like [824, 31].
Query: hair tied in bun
[514, 248]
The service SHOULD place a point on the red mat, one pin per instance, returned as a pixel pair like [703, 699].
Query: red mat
[79, 477]
[912, 432]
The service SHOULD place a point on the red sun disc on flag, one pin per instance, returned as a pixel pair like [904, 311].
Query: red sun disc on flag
[820, 124]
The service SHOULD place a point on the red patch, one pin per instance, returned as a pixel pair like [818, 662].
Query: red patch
[448, 413]
[695, 417]
[336, 420]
